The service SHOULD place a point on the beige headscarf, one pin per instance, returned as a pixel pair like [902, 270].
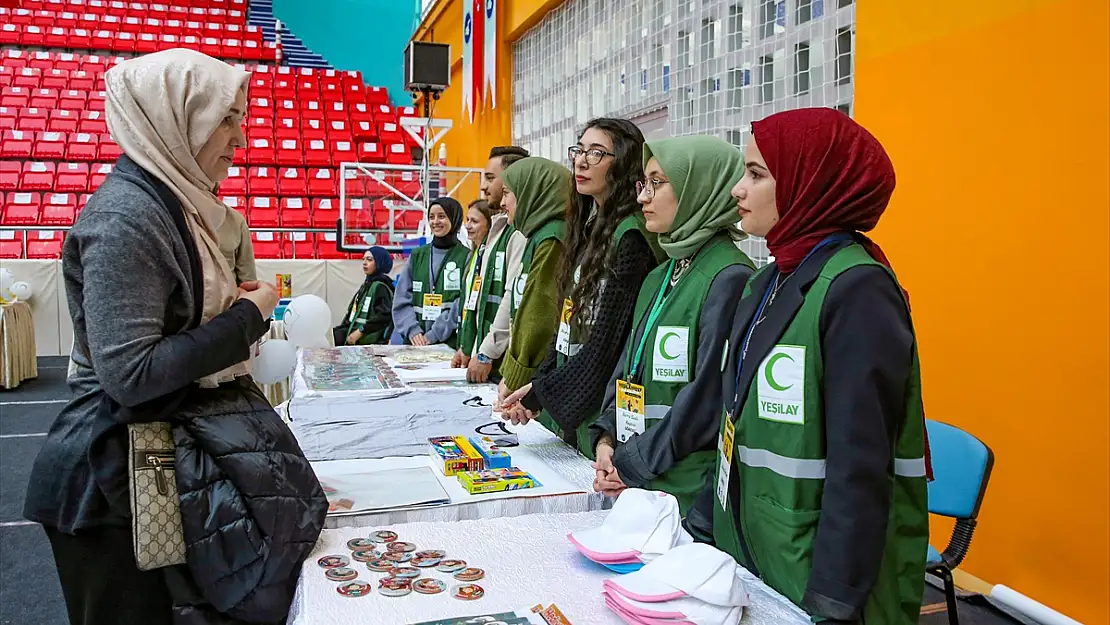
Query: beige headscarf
[161, 109]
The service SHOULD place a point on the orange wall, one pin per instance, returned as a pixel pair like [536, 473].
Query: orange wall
[995, 113]
[468, 144]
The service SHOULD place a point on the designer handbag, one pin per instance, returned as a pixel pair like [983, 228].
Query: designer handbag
[155, 508]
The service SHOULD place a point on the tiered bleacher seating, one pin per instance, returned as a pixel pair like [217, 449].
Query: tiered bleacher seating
[55, 148]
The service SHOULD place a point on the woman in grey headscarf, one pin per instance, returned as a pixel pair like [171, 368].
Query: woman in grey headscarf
[164, 334]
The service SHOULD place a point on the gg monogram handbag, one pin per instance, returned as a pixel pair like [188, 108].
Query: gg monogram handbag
[155, 508]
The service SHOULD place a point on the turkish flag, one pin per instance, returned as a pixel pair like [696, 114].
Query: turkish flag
[477, 39]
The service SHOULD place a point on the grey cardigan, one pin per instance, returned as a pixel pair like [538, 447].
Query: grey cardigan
[132, 281]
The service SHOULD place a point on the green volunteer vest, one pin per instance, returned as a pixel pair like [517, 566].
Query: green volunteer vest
[555, 229]
[361, 306]
[670, 351]
[779, 460]
[448, 282]
[475, 325]
[628, 224]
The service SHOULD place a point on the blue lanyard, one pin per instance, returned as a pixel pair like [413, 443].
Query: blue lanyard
[829, 240]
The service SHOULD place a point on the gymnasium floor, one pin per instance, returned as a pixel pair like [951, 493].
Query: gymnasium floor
[29, 590]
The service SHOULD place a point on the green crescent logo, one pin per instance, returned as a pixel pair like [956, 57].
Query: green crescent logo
[663, 345]
[768, 371]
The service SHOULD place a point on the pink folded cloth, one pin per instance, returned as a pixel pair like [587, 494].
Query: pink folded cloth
[633, 619]
[655, 597]
[623, 557]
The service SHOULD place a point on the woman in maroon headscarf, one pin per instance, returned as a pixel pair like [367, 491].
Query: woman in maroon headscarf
[821, 479]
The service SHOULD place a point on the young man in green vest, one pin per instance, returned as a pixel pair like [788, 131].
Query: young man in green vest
[536, 192]
[431, 282]
[656, 431]
[822, 457]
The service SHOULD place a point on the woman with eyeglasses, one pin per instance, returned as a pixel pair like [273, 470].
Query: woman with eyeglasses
[609, 254]
[657, 431]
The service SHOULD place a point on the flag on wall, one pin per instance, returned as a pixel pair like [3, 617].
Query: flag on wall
[477, 42]
[490, 57]
[468, 102]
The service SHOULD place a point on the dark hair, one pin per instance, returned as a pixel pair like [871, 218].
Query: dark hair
[484, 208]
[509, 154]
[589, 242]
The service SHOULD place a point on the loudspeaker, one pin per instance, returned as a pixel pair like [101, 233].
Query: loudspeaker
[427, 66]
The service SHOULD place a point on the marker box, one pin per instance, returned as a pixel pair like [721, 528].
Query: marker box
[495, 457]
[454, 454]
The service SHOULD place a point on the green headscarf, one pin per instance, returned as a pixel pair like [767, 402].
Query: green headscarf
[542, 190]
[702, 170]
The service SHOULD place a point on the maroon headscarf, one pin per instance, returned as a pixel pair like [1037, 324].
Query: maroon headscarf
[831, 176]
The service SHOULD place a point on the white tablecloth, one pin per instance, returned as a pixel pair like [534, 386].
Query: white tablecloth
[527, 561]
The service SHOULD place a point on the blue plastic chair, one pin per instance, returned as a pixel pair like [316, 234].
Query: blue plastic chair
[961, 470]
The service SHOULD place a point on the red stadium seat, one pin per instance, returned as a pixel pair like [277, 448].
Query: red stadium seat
[398, 154]
[37, 177]
[236, 182]
[266, 244]
[9, 175]
[339, 130]
[263, 213]
[369, 152]
[72, 178]
[262, 181]
[83, 147]
[326, 246]
[315, 129]
[15, 97]
[343, 152]
[11, 245]
[59, 209]
[316, 153]
[292, 182]
[295, 213]
[325, 213]
[237, 202]
[44, 244]
[17, 144]
[107, 150]
[322, 183]
[45, 98]
[289, 153]
[62, 120]
[22, 209]
[50, 146]
[365, 130]
[260, 151]
[97, 174]
[299, 245]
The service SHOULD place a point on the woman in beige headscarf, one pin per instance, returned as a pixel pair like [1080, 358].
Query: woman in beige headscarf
[163, 333]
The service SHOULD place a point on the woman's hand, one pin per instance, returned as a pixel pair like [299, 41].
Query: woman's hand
[262, 294]
[353, 337]
[607, 481]
[419, 340]
[459, 360]
[508, 404]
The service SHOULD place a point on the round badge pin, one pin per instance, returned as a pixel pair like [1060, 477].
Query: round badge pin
[398, 557]
[429, 586]
[355, 544]
[331, 562]
[470, 575]
[451, 566]
[340, 574]
[426, 562]
[365, 555]
[394, 587]
[405, 572]
[357, 588]
[469, 592]
[384, 536]
[380, 566]
[399, 546]
[431, 553]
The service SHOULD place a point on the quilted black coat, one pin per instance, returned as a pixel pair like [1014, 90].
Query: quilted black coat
[251, 508]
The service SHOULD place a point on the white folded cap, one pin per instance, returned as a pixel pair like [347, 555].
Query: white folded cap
[686, 609]
[642, 525]
[696, 570]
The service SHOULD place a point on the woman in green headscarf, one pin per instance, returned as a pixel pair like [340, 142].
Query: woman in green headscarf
[657, 431]
[536, 193]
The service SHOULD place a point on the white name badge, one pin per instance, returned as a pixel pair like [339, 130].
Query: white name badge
[631, 417]
[780, 383]
[433, 306]
[452, 277]
[417, 285]
[475, 291]
[724, 460]
[671, 361]
[499, 267]
[366, 305]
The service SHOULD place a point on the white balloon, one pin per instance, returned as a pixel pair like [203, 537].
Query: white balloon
[6, 280]
[275, 361]
[22, 291]
[307, 321]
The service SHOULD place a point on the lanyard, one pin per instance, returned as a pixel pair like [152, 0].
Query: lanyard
[431, 269]
[656, 309]
[834, 238]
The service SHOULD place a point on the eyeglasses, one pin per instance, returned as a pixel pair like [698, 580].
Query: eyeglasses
[647, 187]
[593, 155]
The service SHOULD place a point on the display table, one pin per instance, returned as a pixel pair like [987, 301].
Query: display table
[527, 561]
[17, 345]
